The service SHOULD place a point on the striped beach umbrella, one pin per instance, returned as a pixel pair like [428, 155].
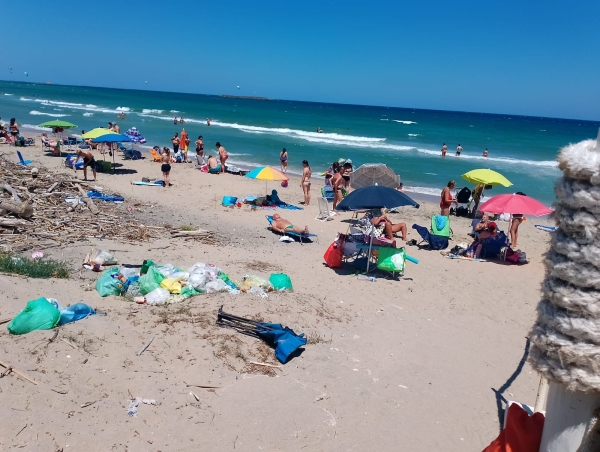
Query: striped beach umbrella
[266, 173]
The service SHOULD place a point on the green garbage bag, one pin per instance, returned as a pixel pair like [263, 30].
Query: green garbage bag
[188, 291]
[391, 259]
[107, 285]
[150, 280]
[39, 314]
[281, 281]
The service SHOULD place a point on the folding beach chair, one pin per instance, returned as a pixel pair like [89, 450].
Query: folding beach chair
[155, 155]
[493, 246]
[435, 242]
[327, 192]
[294, 235]
[131, 154]
[440, 226]
[23, 162]
[324, 213]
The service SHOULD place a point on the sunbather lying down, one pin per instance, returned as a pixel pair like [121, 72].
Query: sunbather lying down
[282, 225]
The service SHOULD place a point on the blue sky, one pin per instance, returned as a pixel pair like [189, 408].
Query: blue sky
[534, 58]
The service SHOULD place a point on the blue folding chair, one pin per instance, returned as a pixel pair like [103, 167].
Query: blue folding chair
[294, 235]
[436, 242]
[493, 246]
[23, 162]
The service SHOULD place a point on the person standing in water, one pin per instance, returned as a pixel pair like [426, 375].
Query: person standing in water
[305, 182]
[200, 151]
[283, 158]
[458, 150]
[444, 150]
[485, 153]
[175, 140]
[165, 167]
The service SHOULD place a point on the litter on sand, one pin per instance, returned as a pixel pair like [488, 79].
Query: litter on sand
[285, 341]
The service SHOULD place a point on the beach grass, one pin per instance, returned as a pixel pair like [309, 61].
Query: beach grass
[33, 268]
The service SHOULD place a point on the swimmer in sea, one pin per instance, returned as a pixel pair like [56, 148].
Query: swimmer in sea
[485, 153]
[444, 150]
[175, 120]
[458, 150]
[181, 121]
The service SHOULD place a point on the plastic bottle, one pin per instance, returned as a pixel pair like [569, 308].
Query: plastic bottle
[367, 278]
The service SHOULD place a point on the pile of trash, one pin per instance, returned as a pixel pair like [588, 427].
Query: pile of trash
[155, 284]
[45, 314]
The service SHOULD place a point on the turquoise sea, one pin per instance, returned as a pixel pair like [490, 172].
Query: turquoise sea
[523, 148]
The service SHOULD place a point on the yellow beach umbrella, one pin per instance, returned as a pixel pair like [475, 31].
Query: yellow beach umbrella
[95, 133]
[486, 177]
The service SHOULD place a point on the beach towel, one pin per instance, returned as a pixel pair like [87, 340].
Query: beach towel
[546, 228]
[104, 197]
[158, 183]
[440, 221]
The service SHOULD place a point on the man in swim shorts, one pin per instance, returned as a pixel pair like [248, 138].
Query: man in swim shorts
[282, 225]
[458, 150]
[88, 160]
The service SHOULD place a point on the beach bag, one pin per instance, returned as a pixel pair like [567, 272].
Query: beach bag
[391, 259]
[335, 253]
[39, 314]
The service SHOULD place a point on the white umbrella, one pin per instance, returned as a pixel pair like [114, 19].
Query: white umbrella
[374, 174]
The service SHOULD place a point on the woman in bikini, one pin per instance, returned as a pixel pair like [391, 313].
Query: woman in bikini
[223, 155]
[305, 182]
[447, 199]
[13, 128]
[200, 151]
[283, 158]
[517, 219]
[165, 167]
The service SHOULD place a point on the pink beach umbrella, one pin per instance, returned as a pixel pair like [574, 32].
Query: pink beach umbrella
[515, 204]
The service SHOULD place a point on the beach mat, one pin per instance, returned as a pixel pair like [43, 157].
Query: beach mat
[152, 184]
[546, 228]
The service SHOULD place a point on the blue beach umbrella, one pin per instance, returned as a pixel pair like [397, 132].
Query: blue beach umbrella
[375, 197]
[112, 138]
[135, 135]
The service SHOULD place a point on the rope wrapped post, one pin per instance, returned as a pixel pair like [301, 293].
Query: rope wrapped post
[565, 339]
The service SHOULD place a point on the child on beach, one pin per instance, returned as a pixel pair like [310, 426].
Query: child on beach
[165, 167]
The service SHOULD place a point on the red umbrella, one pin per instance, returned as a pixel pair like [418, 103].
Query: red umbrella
[515, 204]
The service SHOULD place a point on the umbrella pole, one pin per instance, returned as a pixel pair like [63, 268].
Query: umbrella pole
[370, 248]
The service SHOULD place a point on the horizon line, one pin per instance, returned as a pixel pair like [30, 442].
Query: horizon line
[306, 101]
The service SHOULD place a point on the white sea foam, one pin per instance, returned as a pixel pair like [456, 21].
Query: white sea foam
[174, 111]
[423, 190]
[88, 114]
[33, 127]
[25, 99]
[7, 94]
[383, 119]
[413, 134]
[123, 109]
[310, 136]
[150, 110]
[403, 122]
[41, 113]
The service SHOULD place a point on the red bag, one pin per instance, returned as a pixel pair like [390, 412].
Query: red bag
[334, 254]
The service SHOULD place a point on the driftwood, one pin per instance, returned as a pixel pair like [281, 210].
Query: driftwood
[87, 200]
[16, 372]
[22, 209]
[12, 191]
[12, 222]
[146, 345]
[199, 233]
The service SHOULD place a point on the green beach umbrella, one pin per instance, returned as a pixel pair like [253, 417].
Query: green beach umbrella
[57, 123]
[98, 132]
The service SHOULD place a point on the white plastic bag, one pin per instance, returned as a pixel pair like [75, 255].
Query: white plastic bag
[167, 270]
[216, 285]
[197, 280]
[101, 257]
[157, 296]
[257, 290]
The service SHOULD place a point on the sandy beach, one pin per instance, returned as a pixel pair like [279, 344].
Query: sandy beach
[418, 364]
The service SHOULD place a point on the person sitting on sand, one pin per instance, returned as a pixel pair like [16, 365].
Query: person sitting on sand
[213, 164]
[476, 247]
[51, 144]
[88, 160]
[390, 228]
[282, 225]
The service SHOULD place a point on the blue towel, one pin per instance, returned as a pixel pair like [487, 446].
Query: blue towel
[440, 222]
[104, 197]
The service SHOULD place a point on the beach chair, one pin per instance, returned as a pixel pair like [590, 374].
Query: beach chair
[294, 235]
[327, 192]
[154, 155]
[440, 226]
[493, 246]
[23, 162]
[435, 242]
[131, 154]
[324, 213]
